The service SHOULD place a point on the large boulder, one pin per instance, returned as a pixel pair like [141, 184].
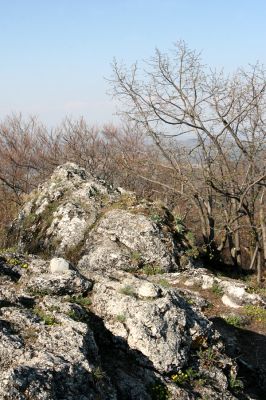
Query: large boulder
[156, 321]
[74, 214]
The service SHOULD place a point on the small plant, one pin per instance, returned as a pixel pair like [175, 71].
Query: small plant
[256, 313]
[124, 202]
[158, 391]
[156, 218]
[200, 382]
[54, 308]
[121, 318]
[136, 261]
[217, 289]
[191, 302]
[208, 305]
[38, 292]
[49, 211]
[235, 320]
[128, 291]
[17, 262]
[136, 256]
[208, 357]
[73, 314]
[184, 378]
[179, 225]
[8, 250]
[29, 220]
[98, 374]
[257, 290]
[12, 261]
[150, 269]
[236, 384]
[193, 252]
[82, 301]
[164, 283]
[48, 319]
[190, 238]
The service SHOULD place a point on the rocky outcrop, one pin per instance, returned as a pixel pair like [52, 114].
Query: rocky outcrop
[233, 294]
[120, 337]
[74, 214]
[87, 315]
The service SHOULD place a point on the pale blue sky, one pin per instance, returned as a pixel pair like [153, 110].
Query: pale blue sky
[56, 53]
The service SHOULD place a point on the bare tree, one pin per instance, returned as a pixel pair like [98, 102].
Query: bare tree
[176, 97]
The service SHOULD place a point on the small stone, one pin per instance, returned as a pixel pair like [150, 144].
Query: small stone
[191, 282]
[229, 302]
[59, 265]
[207, 281]
[148, 290]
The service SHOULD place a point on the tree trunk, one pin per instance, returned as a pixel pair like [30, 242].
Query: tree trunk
[263, 232]
[253, 259]
[237, 252]
[259, 268]
[203, 219]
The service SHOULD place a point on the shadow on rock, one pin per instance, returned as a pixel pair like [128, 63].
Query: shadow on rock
[132, 373]
[10, 271]
[249, 350]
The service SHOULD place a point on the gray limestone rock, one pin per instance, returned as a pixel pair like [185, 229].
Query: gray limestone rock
[157, 322]
[234, 294]
[74, 215]
[93, 318]
[58, 265]
[47, 349]
[140, 235]
[43, 277]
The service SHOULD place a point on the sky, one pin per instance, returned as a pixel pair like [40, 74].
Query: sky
[56, 54]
